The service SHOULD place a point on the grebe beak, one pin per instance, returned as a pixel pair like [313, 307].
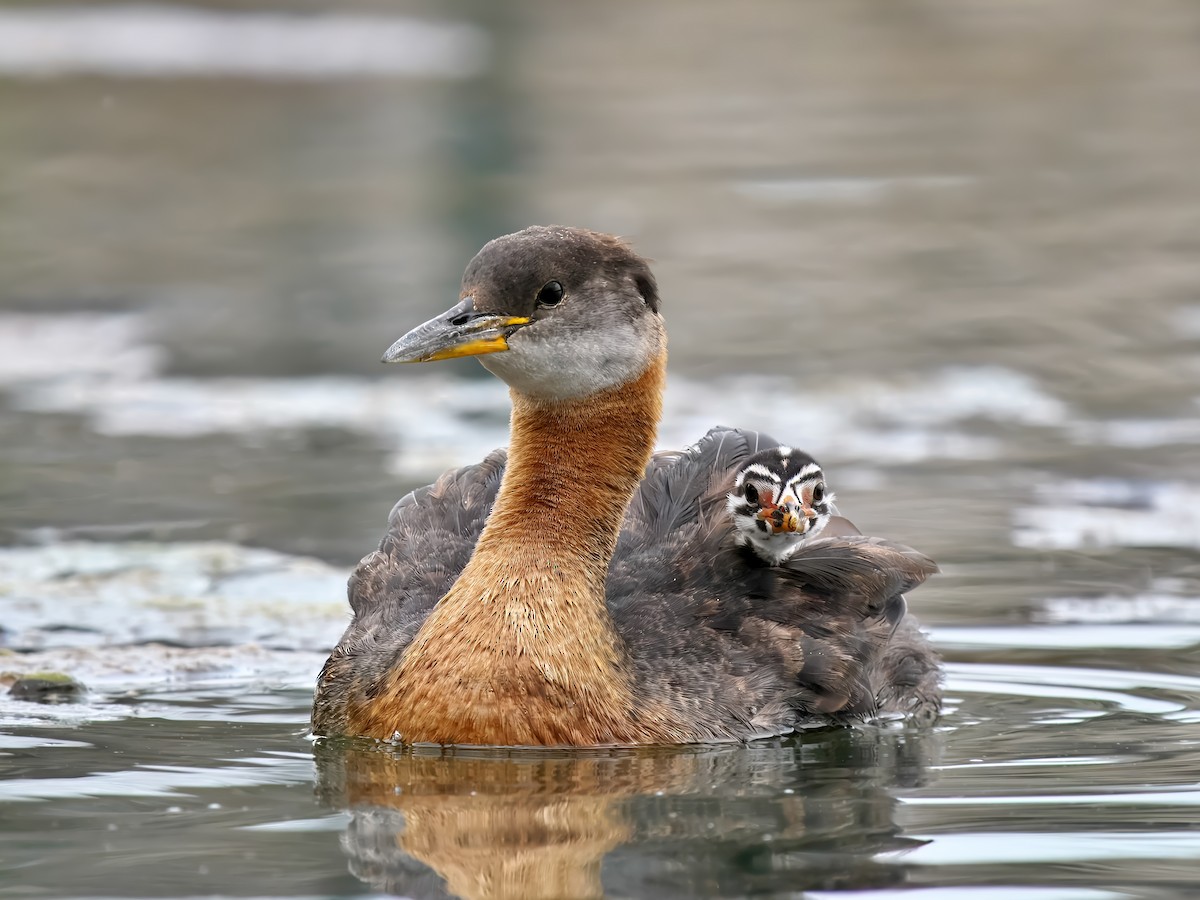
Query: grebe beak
[459, 331]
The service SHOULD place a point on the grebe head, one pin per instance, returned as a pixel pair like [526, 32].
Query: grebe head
[559, 312]
[779, 500]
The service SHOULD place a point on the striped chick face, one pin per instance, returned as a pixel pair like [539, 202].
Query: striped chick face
[779, 500]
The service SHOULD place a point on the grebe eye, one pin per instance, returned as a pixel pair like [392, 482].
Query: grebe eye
[751, 493]
[819, 492]
[551, 294]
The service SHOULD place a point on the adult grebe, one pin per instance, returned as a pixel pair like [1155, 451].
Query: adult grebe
[576, 591]
[779, 500]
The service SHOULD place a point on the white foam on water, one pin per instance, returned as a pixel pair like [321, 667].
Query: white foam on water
[36, 348]
[188, 407]
[163, 41]
[437, 421]
[1114, 609]
[1137, 433]
[109, 670]
[81, 594]
[897, 422]
[104, 367]
[954, 394]
[1110, 513]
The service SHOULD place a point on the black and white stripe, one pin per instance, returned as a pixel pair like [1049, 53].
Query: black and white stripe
[785, 479]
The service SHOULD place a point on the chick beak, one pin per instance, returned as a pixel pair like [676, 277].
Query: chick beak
[791, 521]
[459, 331]
[782, 518]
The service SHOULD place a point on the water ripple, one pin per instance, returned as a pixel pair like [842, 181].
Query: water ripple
[1069, 637]
[978, 848]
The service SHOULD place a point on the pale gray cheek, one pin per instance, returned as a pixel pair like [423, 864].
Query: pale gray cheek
[573, 364]
[549, 370]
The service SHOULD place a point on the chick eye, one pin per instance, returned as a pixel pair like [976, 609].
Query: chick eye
[551, 294]
[819, 492]
[751, 493]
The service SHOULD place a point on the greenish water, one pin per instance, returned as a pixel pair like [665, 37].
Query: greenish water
[1056, 782]
[951, 248]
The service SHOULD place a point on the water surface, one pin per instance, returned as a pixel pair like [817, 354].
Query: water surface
[951, 248]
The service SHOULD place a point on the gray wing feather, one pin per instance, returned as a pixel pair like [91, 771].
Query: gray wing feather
[671, 494]
[431, 534]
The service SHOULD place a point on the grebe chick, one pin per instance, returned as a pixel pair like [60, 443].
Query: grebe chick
[779, 500]
[578, 589]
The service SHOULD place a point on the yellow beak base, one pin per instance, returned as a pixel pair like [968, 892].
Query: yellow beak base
[477, 347]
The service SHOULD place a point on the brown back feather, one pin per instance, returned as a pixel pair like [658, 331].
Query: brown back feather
[738, 647]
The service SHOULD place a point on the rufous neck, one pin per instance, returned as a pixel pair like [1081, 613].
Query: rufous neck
[573, 466]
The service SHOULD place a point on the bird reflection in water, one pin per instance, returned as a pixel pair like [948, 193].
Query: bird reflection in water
[808, 812]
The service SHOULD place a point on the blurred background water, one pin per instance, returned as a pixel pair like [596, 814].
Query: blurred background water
[951, 248]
